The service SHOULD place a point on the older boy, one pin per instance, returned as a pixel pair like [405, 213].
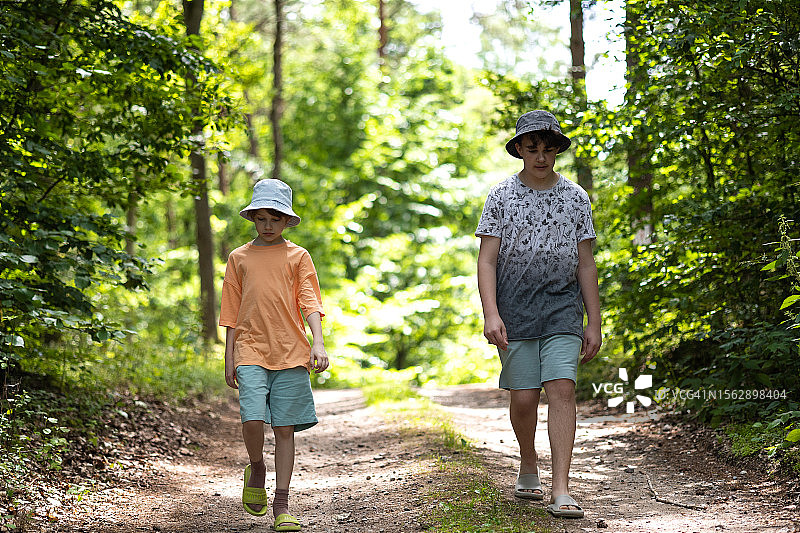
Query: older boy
[536, 274]
[268, 282]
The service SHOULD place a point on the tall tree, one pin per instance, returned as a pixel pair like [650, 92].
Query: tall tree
[192, 17]
[639, 149]
[583, 167]
[276, 112]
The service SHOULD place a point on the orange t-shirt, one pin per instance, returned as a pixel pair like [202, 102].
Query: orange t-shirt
[264, 290]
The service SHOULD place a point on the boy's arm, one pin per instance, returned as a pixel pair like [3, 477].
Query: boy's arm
[587, 278]
[319, 358]
[230, 370]
[493, 327]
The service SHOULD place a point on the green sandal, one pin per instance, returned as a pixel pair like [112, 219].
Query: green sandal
[253, 495]
[286, 522]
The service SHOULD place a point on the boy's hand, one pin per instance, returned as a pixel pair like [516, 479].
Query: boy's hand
[230, 368]
[319, 358]
[230, 374]
[495, 332]
[592, 340]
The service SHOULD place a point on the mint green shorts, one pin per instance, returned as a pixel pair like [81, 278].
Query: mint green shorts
[277, 397]
[529, 363]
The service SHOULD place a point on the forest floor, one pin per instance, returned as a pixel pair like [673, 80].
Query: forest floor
[361, 471]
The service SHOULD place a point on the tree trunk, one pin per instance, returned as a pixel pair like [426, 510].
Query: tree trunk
[172, 225]
[192, 16]
[583, 166]
[205, 249]
[252, 138]
[401, 353]
[131, 216]
[224, 187]
[383, 33]
[277, 86]
[640, 175]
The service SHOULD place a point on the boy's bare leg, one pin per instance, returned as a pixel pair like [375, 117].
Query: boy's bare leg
[253, 436]
[561, 419]
[284, 465]
[524, 414]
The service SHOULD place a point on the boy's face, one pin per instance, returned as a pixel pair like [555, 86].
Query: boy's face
[539, 159]
[269, 226]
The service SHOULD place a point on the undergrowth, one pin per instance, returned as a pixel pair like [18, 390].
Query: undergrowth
[50, 438]
[57, 418]
[778, 441]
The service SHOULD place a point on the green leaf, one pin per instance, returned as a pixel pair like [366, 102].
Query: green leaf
[764, 379]
[794, 435]
[771, 266]
[790, 301]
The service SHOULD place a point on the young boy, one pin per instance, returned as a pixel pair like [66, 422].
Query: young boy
[268, 282]
[536, 274]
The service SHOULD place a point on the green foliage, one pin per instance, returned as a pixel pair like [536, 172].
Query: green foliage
[30, 434]
[777, 439]
[382, 160]
[715, 114]
[390, 387]
[43, 430]
[788, 259]
[174, 373]
[752, 439]
[725, 176]
[36, 431]
[707, 133]
[94, 108]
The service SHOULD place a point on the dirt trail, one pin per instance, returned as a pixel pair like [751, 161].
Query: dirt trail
[614, 457]
[356, 473]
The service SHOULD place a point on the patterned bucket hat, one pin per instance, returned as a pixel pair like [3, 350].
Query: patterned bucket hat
[272, 194]
[535, 121]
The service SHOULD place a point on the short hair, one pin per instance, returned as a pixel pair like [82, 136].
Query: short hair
[550, 138]
[276, 213]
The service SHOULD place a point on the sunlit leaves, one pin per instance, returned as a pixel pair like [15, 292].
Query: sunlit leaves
[94, 108]
[715, 111]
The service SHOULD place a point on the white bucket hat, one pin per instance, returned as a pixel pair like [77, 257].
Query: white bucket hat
[272, 194]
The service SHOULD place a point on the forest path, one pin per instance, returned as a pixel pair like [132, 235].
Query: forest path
[356, 472]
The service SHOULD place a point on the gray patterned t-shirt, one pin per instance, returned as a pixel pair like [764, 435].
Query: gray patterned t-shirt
[538, 294]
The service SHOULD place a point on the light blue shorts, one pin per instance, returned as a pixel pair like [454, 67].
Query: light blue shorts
[278, 397]
[529, 363]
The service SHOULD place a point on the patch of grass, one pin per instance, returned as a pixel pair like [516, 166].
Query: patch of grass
[750, 439]
[465, 499]
[136, 366]
[779, 441]
[386, 392]
[472, 503]
[162, 372]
